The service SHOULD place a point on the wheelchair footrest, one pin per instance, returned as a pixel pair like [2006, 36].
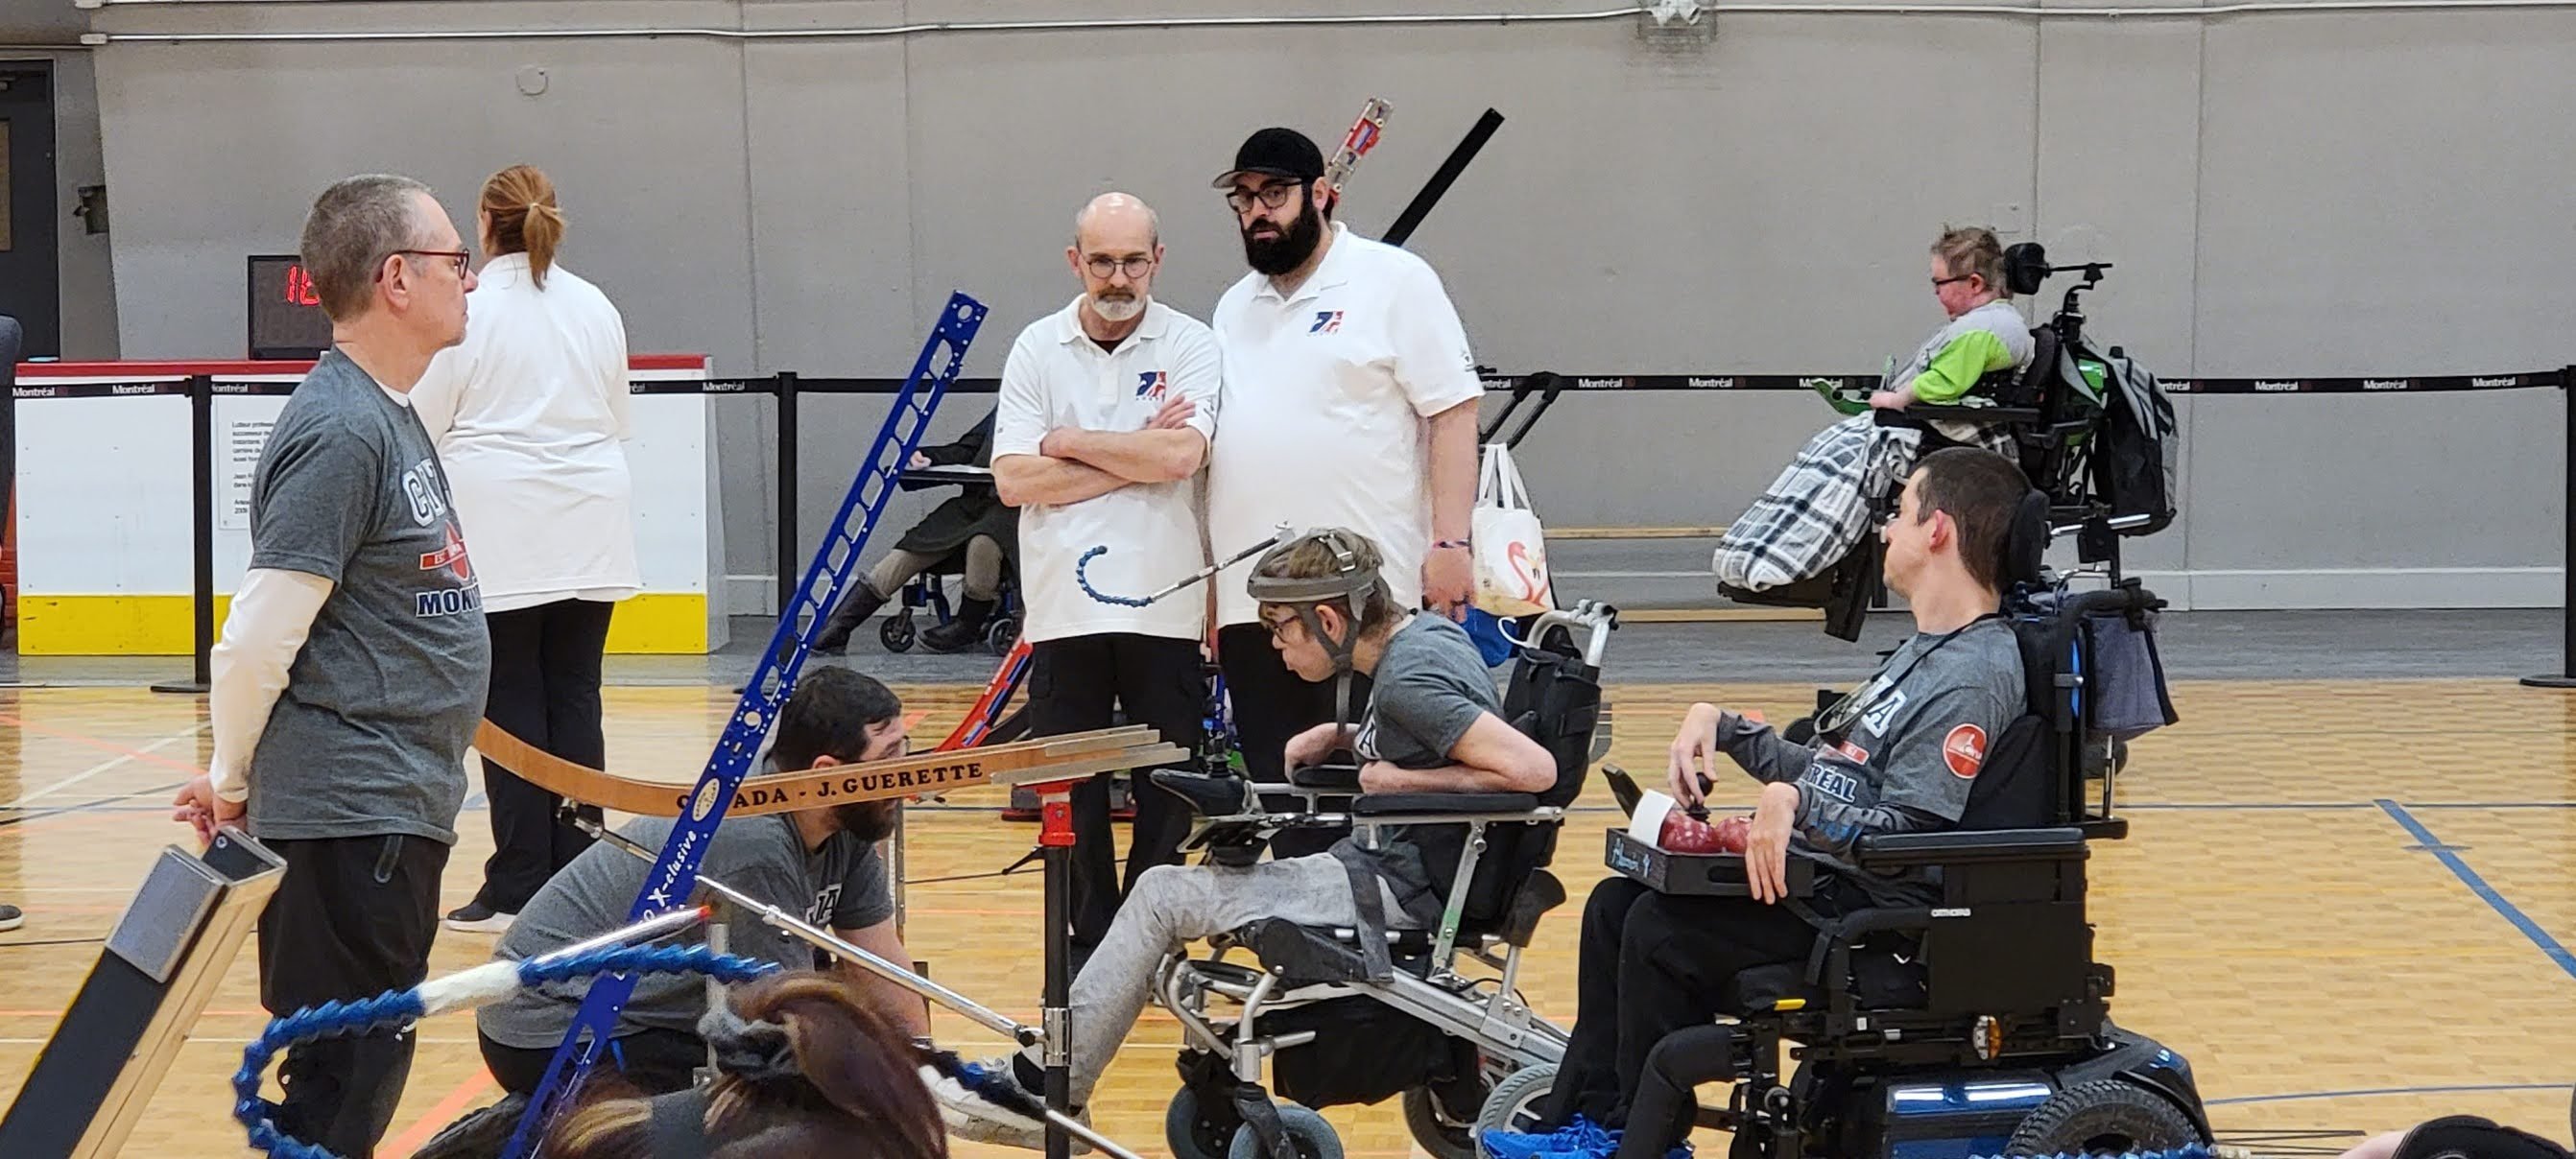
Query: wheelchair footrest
[1695, 874]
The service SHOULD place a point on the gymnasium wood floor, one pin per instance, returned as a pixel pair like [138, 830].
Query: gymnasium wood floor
[2342, 901]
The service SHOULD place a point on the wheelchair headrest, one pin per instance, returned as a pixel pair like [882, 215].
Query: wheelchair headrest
[2026, 542]
[2025, 267]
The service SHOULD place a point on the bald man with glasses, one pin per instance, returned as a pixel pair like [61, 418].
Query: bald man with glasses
[1107, 407]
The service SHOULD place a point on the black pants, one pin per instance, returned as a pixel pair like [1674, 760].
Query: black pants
[1075, 684]
[545, 691]
[352, 918]
[1651, 964]
[1272, 704]
[656, 1061]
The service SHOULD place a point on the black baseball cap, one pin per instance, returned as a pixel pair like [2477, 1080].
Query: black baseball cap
[1275, 152]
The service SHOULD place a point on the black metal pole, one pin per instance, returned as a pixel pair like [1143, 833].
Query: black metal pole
[790, 573]
[201, 458]
[1055, 836]
[2566, 675]
[1441, 178]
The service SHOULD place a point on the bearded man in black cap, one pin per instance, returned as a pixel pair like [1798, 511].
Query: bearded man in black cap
[1351, 397]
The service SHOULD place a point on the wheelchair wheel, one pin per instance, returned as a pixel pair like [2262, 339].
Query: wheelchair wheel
[1004, 633]
[897, 633]
[1434, 1130]
[1192, 1135]
[1313, 1137]
[1513, 1103]
[2104, 1117]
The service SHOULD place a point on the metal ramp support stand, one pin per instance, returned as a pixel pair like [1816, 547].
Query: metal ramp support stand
[161, 965]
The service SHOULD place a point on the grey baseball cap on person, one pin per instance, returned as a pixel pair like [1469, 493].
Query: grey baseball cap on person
[1275, 152]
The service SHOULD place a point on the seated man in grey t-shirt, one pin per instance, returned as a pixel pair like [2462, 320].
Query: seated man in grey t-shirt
[818, 863]
[1433, 725]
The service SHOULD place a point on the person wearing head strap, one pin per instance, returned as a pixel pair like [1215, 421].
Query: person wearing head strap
[1432, 724]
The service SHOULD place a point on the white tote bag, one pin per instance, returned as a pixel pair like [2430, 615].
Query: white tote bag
[1510, 546]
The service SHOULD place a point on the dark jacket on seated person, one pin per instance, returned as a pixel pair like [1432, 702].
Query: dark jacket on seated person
[975, 510]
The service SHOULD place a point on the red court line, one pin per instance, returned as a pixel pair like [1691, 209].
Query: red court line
[439, 1116]
[93, 742]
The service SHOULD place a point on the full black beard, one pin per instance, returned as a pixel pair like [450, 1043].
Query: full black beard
[869, 821]
[1280, 255]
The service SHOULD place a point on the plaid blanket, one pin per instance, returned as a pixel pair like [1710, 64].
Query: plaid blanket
[1819, 508]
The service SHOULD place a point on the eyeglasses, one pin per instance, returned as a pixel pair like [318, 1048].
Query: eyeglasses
[1277, 626]
[460, 257]
[1272, 196]
[1946, 281]
[1135, 267]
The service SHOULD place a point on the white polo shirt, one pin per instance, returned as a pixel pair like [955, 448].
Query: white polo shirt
[1325, 393]
[1058, 377]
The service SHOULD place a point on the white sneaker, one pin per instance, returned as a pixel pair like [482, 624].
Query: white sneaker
[974, 1117]
[477, 918]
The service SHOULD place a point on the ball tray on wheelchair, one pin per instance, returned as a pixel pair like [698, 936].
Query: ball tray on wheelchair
[1699, 874]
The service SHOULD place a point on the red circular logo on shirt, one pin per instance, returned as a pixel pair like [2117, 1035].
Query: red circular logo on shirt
[1964, 750]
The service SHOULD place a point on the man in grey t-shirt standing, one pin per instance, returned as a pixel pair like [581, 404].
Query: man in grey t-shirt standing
[353, 664]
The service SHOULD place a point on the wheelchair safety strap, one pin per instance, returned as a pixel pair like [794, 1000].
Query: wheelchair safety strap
[1372, 910]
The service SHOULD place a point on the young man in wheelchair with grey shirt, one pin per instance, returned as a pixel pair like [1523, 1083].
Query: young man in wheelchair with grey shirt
[1432, 725]
[1898, 756]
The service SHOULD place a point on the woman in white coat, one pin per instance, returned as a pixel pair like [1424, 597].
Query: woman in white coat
[530, 416]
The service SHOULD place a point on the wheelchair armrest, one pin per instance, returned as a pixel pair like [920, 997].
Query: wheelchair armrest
[1391, 804]
[1930, 412]
[1963, 846]
[1345, 777]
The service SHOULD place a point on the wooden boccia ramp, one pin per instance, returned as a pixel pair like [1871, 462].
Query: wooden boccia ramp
[1046, 758]
[126, 1024]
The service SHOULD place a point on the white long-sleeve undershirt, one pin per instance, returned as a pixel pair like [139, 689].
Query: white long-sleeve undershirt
[264, 630]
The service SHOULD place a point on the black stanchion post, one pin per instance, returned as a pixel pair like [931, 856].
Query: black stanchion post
[201, 458]
[1056, 839]
[789, 570]
[2566, 675]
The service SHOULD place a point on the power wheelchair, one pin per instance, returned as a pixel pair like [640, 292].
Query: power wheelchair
[2053, 411]
[1978, 1025]
[1333, 1033]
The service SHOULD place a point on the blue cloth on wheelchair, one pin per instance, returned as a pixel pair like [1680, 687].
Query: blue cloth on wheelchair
[2126, 693]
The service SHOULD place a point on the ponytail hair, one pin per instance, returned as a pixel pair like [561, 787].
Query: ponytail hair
[521, 203]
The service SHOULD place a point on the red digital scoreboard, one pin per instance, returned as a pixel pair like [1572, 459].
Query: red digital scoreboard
[286, 318]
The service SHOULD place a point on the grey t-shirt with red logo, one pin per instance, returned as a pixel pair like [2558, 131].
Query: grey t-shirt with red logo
[369, 736]
[1900, 754]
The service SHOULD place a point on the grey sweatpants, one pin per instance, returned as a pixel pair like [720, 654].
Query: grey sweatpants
[1175, 904]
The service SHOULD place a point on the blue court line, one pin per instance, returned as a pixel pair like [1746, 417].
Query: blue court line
[2478, 885]
[2242, 1100]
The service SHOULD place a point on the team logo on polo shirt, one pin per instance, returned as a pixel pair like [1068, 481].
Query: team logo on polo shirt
[1151, 384]
[1326, 322]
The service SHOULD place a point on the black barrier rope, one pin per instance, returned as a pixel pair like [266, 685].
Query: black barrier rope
[789, 383]
[787, 387]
